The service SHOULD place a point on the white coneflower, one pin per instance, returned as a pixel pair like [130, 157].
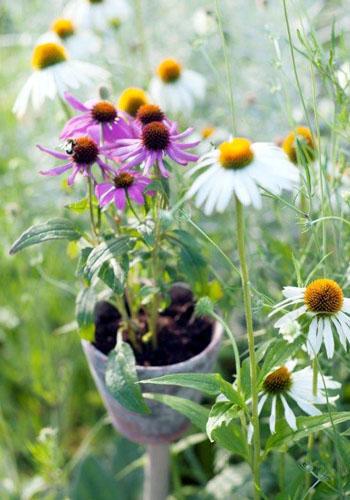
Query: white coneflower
[283, 384]
[324, 305]
[53, 73]
[175, 89]
[343, 75]
[238, 167]
[97, 14]
[79, 43]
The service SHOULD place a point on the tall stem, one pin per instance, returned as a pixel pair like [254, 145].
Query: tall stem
[250, 334]
[91, 207]
[227, 66]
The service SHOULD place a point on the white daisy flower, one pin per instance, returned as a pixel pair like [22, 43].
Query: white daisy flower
[324, 305]
[54, 72]
[97, 14]
[237, 168]
[79, 43]
[299, 145]
[176, 89]
[204, 22]
[283, 384]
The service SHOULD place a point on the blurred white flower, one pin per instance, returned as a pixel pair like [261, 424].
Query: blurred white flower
[53, 73]
[79, 43]
[343, 75]
[204, 22]
[237, 168]
[175, 89]
[283, 382]
[290, 331]
[97, 14]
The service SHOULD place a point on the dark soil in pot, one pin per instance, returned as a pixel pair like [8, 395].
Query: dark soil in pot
[181, 335]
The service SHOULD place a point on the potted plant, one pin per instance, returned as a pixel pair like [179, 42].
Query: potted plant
[135, 314]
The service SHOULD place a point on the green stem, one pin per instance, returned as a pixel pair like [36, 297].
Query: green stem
[91, 207]
[66, 109]
[155, 272]
[227, 66]
[250, 333]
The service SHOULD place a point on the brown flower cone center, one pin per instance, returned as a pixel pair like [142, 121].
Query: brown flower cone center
[149, 113]
[85, 150]
[155, 136]
[278, 381]
[104, 112]
[324, 295]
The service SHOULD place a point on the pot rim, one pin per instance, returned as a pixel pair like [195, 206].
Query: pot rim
[217, 334]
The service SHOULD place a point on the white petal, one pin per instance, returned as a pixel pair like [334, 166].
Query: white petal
[291, 316]
[341, 334]
[311, 342]
[346, 306]
[272, 420]
[307, 407]
[290, 417]
[293, 291]
[328, 338]
[262, 402]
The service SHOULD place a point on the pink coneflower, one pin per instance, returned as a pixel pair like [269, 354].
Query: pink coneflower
[102, 115]
[81, 152]
[156, 140]
[125, 183]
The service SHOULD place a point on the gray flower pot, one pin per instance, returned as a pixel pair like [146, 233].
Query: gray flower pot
[163, 425]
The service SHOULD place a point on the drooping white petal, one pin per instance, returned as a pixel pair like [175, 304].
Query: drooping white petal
[272, 420]
[288, 413]
[291, 316]
[293, 291]
[311, 343]
[339, 328]
[328, 338]
[262, 402]
[308, 408]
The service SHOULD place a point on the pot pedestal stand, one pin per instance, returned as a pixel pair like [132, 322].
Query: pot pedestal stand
[163, 425]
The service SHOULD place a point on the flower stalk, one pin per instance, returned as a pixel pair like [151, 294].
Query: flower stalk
[250, 333]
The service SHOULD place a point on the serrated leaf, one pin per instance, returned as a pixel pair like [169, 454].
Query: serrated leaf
[79, 207]
[211, 384]
[121, 378]
[221, 413]
[114, 248]
[84, 311]
[285, 436]
[54, 229]
[196, 413]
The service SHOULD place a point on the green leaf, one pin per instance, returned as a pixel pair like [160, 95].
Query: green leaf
[114, 248]
[222, 413]
[277, 354]
[84, 311]
[113, 274]
[231, 438]
[54, 229]
[285, 436]
[79, 207]
[121, 378]
[193, 265]
[211, 384]
[84, 254]
[196, 413]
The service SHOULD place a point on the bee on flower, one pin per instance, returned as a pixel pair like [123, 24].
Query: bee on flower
[79, 43]
[238, 167]
[325, 309]
[299, 145]
[176, 89]
[81, 153]
[97, 14]
[53, 73]
[285, 383]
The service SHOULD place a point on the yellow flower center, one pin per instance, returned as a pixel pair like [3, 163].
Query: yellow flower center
[131, 99]
[206, 132]
[236, 153]
[278, 381]
[48, 54]
[324, 296]
[169, 70]
[64, 28]
[299, 141]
